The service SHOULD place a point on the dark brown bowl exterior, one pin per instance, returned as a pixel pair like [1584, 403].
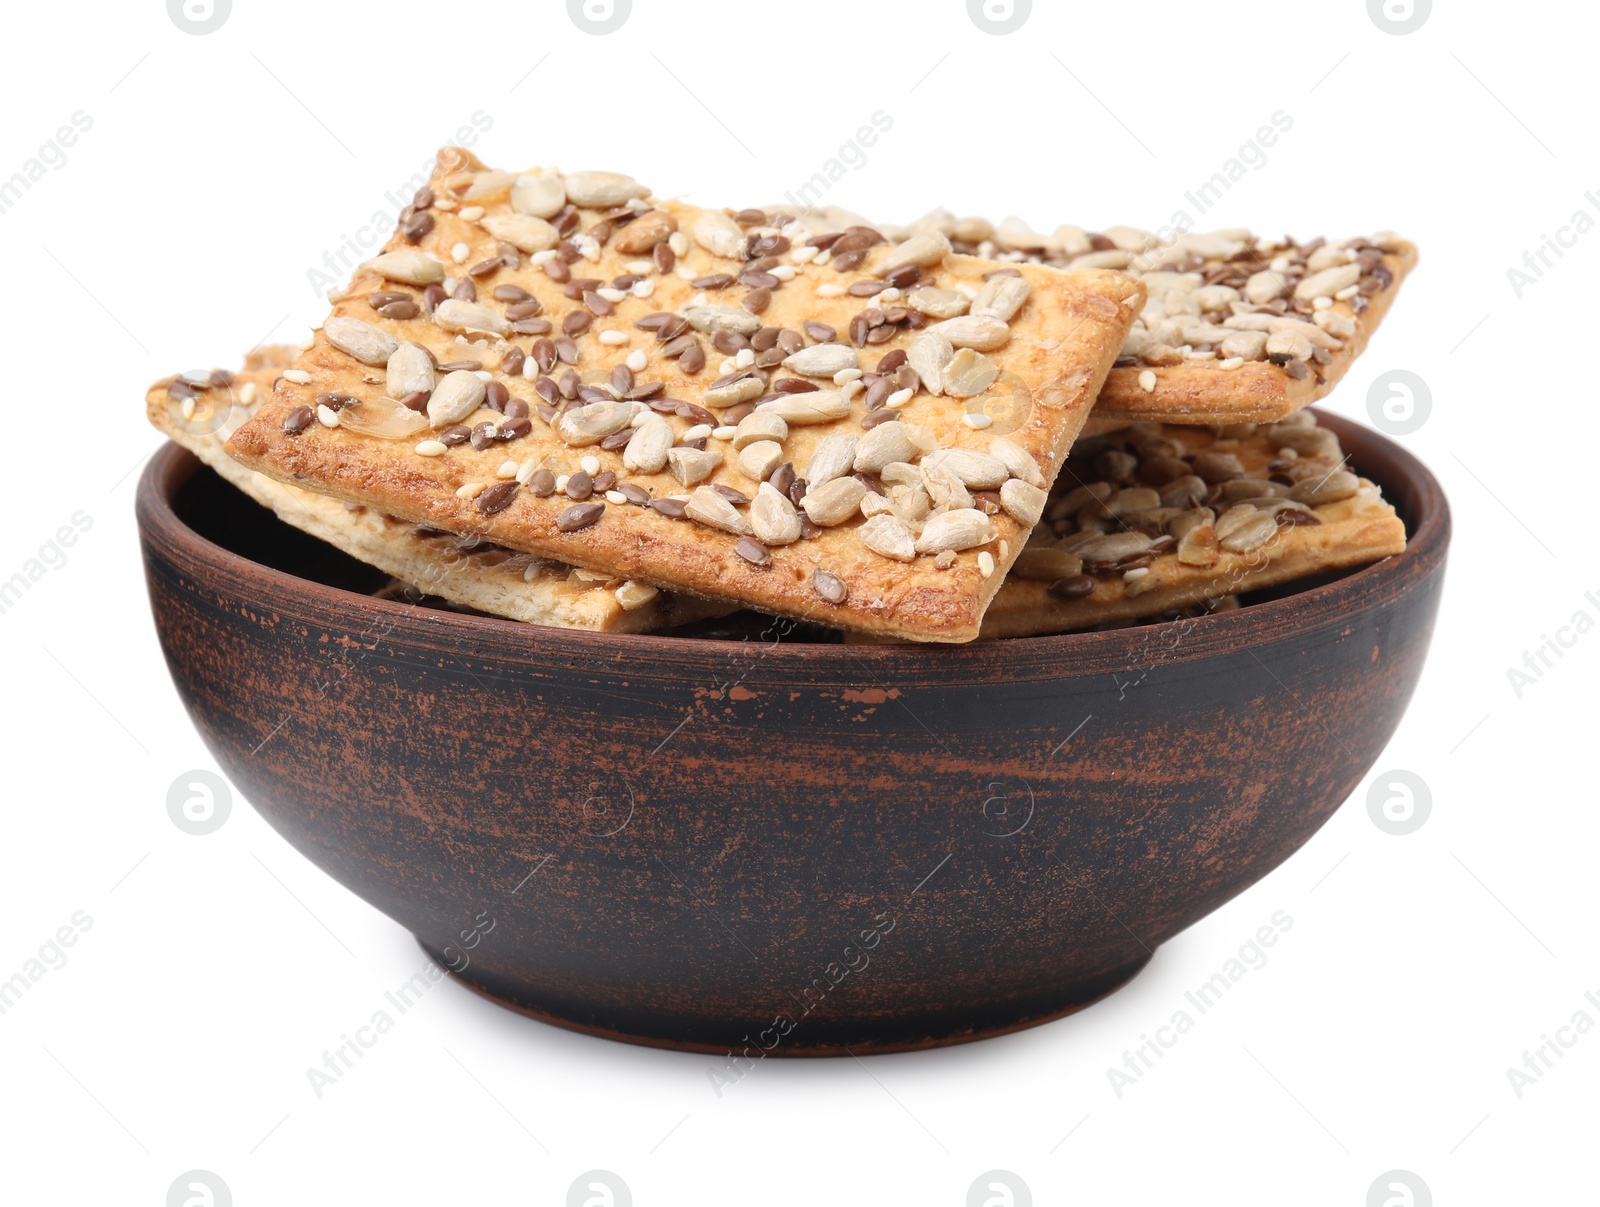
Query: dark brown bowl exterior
[790, 848]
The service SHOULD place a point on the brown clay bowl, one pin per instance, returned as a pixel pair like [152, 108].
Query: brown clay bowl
[778, 844]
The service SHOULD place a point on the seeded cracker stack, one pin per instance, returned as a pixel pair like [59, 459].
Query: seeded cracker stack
[736, 406]
[1236, 328]
[199, 410]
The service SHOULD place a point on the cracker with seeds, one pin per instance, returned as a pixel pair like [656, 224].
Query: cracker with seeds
[1236, 328]
[746, 406]
[199, 410]
[1163, 516]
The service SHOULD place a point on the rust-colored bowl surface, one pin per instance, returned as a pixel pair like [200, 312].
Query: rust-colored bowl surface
[776, 844]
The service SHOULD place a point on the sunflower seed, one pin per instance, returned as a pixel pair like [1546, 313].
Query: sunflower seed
[938, 303]
[745, 389]
[926, 250]
[968, 374]
[822, 360]
[833, 457]
[1001, 298]
[722, 318]
[407, 265]
[646, 451]
[708, 507]
[455, 397]
[1328, 282]
[599, 190]
[691, 465]
[944, 488]
[1113, 546]
[1018, 461]
[719, 234]
[360, 340]
[974, 331]
[453, 314]
[593, 422]
[884, 445]
[833, 502]
[887, 536]
[1330, 488]
[410, 371]
[1250, 532]
[975, 470]
[633, 595]
[1024, 502]
[523, 231]
[773, 517]
[928, 354]
[818, 406]
[538, 196]
[758, 460]
[955, 530]
[760, 424]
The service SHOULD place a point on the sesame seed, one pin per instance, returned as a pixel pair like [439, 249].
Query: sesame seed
[1129, 576]
[1147, 381]
[744, 359]
[614, 338]
[247, 393]
[610, 294]
[640, 268]
[898, 399]
[889, 295]
[986, 563]
[508, 469]
[590, 465]
[1322, 303]
[637, 360]
[698, 432]
[299, 376]
[327, 416]
[616, 497]
[1005, 550]
[830, 289]
[1348, 292]
[471, 213]
[850, 389]
[561, 483]
[845, 376]
[430, 448]
[644, 288]
[724, 432]
[460, 252]
[526, 470]
[803, 255]
[540, 258]
[188, 407]
[976, 419]
[1233, 362]
[484, 375]
[784, 272]
[470, 490]
[679, 242]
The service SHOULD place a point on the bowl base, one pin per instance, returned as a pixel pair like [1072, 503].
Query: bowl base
[1079, 996]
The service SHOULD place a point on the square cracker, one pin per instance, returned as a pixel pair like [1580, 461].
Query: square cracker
[1056, 350]
[1356, 527]
[1274, 282]
[478, 575]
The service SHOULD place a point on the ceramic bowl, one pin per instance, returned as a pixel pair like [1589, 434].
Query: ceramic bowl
[772, 844]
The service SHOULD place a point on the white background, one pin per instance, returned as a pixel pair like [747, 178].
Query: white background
[180, 231]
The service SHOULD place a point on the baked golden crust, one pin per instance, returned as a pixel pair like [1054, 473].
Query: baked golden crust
[485, 578]
[1059, 346]
[1348, 531]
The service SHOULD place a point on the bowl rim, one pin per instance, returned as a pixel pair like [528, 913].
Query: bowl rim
[1406, 481]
